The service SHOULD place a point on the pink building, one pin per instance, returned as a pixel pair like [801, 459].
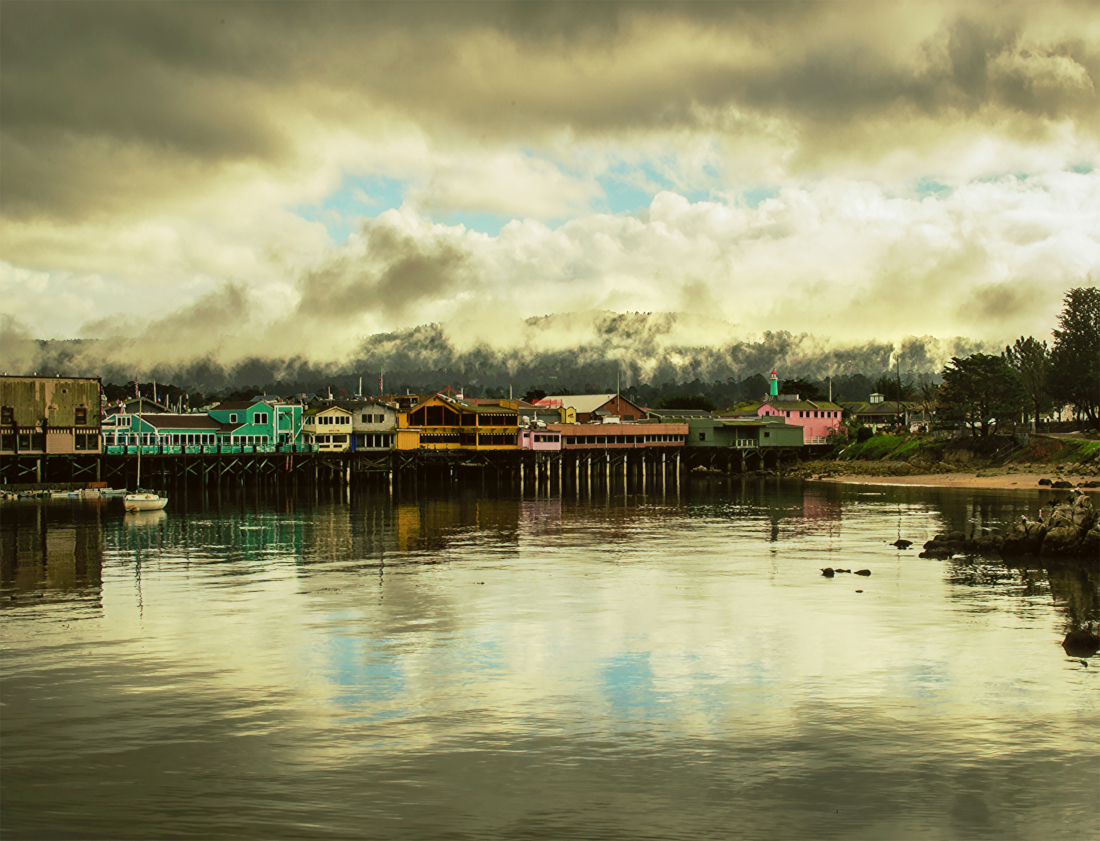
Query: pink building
[540, 440]
[818, 418]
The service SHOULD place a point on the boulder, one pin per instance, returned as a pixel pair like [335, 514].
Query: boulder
[1082, 512]
[1081, 643]
[1061, 542]
[1025, 539]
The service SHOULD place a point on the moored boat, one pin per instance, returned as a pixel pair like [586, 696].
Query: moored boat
[143, 500]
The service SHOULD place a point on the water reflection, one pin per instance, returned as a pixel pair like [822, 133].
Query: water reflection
[490, 665]
[51, 549]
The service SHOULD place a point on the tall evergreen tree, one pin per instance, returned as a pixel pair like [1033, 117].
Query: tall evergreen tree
[1030, 359]
[981, 390]
[1075, 358]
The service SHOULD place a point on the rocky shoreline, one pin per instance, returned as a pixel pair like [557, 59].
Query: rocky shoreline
[1063, 530]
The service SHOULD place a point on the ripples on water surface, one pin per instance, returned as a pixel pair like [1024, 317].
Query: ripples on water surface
[470, 665]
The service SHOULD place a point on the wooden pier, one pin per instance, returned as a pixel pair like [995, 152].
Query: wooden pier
[523, 468]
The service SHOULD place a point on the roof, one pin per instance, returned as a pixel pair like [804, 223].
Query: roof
[781, 405]
[235, 406]
[188, 421]
[681, 413]
[886, 407]
[585, 404]
[321, 411]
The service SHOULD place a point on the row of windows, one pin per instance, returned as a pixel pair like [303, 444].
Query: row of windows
[374, 440]
[367, 418]
[7, 416]
[190, 439]
[25, 441]
[333, 420]
[496, 439]
[624, 439]
[330, 439]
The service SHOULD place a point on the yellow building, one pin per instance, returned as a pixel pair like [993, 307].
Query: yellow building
[441, 422]
[329, 430]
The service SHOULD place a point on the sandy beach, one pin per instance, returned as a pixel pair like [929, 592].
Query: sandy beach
[981, 479]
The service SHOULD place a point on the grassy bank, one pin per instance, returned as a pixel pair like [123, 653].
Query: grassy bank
[903, 455]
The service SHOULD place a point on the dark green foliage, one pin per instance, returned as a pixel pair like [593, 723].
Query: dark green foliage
[534, 395]
[1030, 359]
[887, 386]
[1075, 358]
[686, 401]
[979, 391]
[805, 389]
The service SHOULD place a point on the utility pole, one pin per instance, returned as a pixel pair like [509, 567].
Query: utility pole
[899, 389]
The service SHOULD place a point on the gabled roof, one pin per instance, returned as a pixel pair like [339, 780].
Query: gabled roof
[235, 405]
[320, 411]
[584, 404]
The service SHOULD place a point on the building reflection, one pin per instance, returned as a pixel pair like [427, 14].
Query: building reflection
[56, 547]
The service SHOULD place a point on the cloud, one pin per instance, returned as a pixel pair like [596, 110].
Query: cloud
[164, 167]
[106, 106]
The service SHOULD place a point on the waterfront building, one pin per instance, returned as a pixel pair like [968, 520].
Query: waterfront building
[540, 439]
[328, 429]
[444, 422]
[707, 430]
[48, 415]
[817, 418]
[259, 422]
[166, 432]
[373, 424]
[621, 436]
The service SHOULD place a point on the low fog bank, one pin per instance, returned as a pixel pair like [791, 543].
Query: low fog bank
[647, 353]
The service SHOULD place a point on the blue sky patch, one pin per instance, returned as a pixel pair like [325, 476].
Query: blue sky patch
[356, 197]
[755, 196]
[925, 187]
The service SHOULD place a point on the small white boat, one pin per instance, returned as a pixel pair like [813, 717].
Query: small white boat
[142, 500]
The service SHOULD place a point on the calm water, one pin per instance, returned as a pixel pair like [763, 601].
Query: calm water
[469, 665]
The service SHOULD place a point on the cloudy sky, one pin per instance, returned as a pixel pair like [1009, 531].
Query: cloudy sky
[275, 178]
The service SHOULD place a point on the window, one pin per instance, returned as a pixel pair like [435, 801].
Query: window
[259, 417]
[7, 416]
[233, 417]
[81, 417]
[702, 436]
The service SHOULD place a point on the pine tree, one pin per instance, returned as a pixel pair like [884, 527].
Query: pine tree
[1030, 359]
[1075, 358]
[981, 390]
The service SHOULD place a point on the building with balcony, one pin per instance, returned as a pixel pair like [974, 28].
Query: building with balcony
[50, 415]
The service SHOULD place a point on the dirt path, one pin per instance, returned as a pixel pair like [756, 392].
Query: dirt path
[981, 479]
